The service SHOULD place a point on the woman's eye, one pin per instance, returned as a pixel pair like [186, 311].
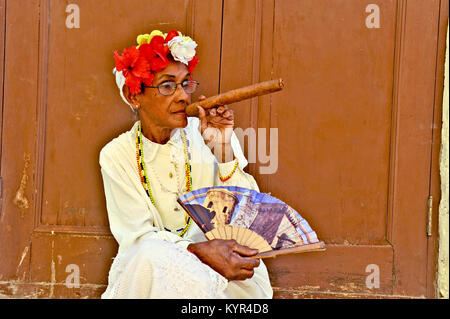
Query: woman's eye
[166, 85]
[187, 83]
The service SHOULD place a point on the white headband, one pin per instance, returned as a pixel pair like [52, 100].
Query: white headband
[120, 81]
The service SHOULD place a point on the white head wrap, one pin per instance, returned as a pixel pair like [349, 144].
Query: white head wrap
[120, 81]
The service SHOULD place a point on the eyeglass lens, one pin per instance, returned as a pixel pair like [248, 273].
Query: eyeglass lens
[168, 88]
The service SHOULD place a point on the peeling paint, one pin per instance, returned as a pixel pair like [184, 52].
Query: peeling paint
[53, 270]
[20, 200]
[22, 258]
[347, 287]
[301, 292]
[25, 290]
[25, 251]
[306, 287]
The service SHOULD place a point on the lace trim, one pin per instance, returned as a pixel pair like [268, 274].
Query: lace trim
[162, 269]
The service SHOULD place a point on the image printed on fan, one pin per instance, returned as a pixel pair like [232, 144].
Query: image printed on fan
[279, 224]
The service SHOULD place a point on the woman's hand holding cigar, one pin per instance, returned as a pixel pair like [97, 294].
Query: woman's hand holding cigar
[216, 127]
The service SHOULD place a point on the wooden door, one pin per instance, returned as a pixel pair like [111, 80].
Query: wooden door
[354, 127]
[355, 133]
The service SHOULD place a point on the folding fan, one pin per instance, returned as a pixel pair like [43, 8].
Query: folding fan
[253, 219]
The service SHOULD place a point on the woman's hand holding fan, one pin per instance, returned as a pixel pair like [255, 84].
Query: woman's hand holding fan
[227, 257]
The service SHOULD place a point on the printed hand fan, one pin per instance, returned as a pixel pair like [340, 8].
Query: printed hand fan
[253, 219]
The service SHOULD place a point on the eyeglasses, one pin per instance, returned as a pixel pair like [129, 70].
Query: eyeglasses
[169, 87]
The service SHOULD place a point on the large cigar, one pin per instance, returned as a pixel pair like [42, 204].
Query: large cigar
[236, 95]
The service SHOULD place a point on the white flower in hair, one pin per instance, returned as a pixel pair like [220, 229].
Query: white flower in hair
[182, 49]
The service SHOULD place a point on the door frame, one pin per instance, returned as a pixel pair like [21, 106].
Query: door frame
[2, 75]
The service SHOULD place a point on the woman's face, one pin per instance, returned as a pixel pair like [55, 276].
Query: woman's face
[167, 112]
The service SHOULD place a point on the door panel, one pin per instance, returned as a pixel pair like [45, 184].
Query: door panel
[333, 119]
[19, 130]
[348, 125]
[415, 76]
[334, 116]
[318, 113]
[81, 107]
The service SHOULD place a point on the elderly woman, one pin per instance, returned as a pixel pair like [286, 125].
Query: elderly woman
[162, 253]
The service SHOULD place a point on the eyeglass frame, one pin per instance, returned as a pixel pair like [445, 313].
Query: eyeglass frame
[157, 87]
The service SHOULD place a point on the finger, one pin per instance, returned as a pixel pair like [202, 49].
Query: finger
[244, 250]
[221, 109]
[213, 112]
[230, 114]
[245, 274]
[227, 113]
[248, 263]
[201, 98]
[221, 122]
[225, 119]
[202, 117]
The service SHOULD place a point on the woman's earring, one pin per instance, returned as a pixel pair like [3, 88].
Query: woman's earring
[137, 106]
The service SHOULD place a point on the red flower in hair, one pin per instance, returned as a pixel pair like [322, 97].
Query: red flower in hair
[149, 54]
[157, 44]
[160, 61]
[147, 51]
[192, 64]
[135, 68]
[139, 65]
[156, 53]
[172, 34]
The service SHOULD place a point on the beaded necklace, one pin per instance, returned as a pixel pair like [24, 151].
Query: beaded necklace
[145, 181]
[224, 179]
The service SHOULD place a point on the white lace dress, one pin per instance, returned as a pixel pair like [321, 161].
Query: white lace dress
[152, 261]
